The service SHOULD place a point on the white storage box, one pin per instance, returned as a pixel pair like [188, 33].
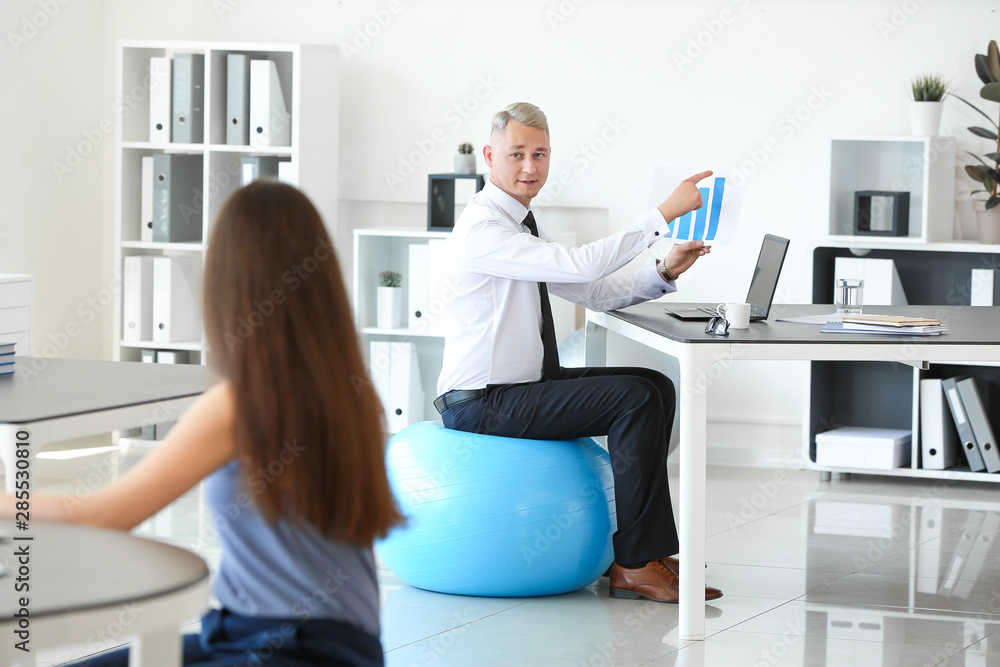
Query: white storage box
[858, 447]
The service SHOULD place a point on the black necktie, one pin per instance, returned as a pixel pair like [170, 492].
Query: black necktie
[550, 356]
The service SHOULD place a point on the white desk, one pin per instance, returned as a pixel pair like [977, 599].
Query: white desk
[88, 584]
[972, 337]
[59, 399]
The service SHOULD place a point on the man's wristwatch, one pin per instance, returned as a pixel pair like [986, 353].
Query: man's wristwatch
[662, 268]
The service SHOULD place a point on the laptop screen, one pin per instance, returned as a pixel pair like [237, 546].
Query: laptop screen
[765, 275]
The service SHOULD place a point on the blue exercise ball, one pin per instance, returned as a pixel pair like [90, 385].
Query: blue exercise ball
[499, 517]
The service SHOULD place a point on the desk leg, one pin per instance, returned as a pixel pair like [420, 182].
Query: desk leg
[693, 413]
[595, 345]
[157, 649]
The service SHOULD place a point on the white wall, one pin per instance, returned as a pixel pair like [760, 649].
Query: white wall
[52, 179]
[641, 83]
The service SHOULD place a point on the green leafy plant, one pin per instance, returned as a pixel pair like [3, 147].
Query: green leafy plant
[985, 173]
[465, 148]
[928, 88]
[390, 279]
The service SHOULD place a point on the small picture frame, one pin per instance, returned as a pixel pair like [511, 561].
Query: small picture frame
[881, 213]
[447, 195]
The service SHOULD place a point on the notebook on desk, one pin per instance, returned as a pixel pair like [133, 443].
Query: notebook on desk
[763, 285]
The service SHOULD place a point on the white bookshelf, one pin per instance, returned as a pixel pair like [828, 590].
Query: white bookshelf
[309, 82]
[883, 394]
[378, 250]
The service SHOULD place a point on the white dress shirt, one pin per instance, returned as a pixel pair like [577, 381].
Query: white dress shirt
[493, 317]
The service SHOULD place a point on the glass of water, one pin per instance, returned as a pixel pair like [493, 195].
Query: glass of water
[848, 295]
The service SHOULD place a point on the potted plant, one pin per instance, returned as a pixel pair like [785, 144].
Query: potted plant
[465, 161]
[389, 300]
[925, 109]
[987, 172]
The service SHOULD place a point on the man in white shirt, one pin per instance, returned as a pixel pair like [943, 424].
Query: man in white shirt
[500, 374]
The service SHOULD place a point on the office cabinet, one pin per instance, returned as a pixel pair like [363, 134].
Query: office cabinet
[377, 250]
[887, 394]
[151, 163]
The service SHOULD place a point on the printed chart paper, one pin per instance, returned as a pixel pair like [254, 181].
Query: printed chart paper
[716, 221]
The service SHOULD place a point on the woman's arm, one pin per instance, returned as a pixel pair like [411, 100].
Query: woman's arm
[200, 442]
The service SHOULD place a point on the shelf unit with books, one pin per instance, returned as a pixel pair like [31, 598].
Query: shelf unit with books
[308, 77]
[887, 394]
[378, 250]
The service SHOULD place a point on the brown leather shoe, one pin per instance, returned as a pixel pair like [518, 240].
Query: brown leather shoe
[657, 581]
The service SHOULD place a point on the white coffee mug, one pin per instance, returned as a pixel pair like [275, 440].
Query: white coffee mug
[738, 314]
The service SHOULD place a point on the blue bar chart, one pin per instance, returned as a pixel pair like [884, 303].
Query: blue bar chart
[714, 222]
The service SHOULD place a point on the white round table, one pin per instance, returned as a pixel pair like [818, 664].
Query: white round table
[86, 585]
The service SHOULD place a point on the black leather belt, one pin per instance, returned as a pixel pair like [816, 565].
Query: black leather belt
[450, 398]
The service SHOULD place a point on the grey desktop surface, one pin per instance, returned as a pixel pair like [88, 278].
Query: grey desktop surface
[81, 567]
[53, 388]
[967, 325]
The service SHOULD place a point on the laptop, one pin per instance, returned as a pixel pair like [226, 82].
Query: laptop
[762, 285]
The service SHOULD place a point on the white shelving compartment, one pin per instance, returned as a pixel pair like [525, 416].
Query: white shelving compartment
[377, 250]
[922, 166]
[887, 394]
[308, 77]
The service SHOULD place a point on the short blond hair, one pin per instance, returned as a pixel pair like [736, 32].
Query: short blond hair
[524, 113]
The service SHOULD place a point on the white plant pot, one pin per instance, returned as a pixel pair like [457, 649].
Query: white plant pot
[389, 307]
[925, 118]
[987, 222]
[465, 163]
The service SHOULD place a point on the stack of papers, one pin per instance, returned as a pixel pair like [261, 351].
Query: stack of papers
[6, 358]
[893, 325]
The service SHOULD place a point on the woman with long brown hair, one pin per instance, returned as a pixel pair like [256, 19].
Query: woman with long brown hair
[292, 437]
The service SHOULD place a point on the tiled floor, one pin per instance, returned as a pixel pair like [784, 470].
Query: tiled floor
[861, 571]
